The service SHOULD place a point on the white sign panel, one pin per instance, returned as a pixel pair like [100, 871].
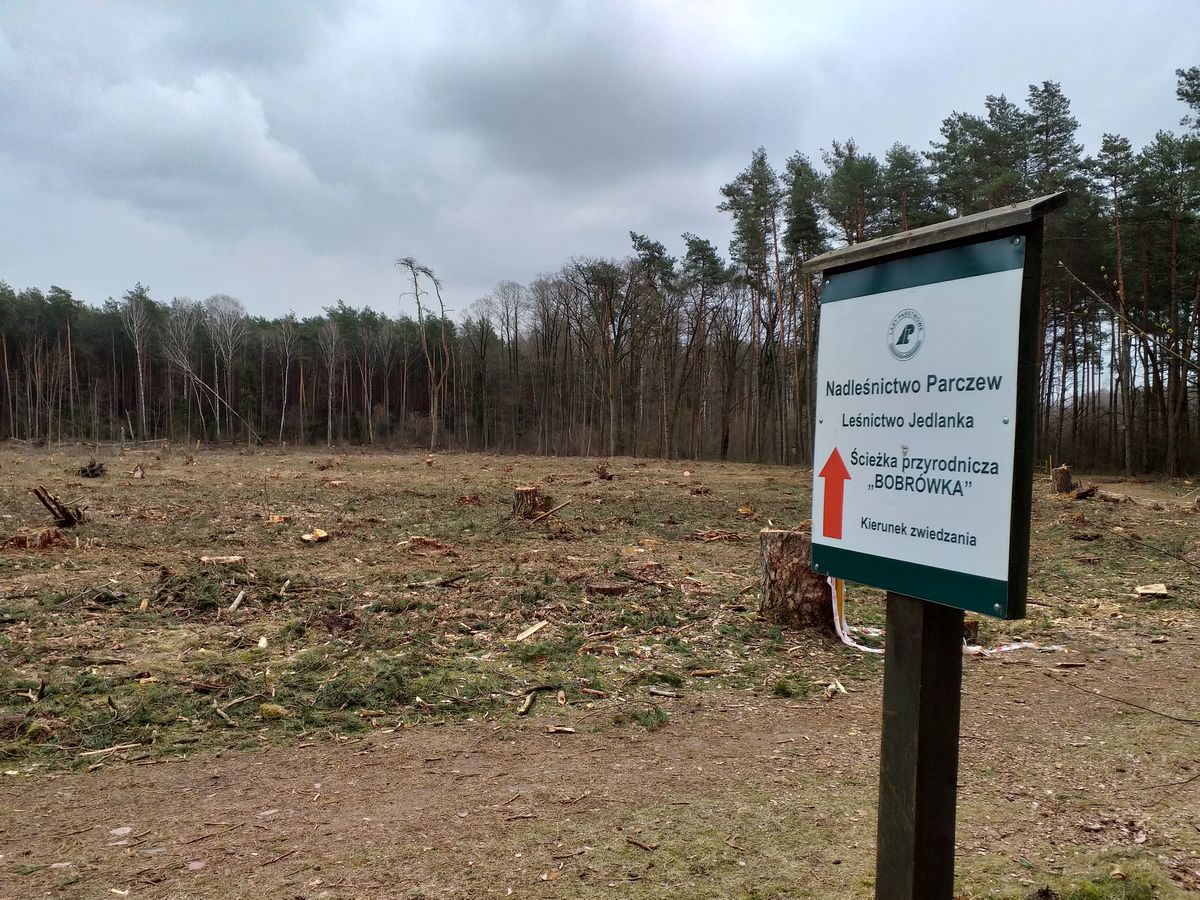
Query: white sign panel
[914, 443]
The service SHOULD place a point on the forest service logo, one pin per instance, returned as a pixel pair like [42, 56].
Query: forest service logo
[906, 334]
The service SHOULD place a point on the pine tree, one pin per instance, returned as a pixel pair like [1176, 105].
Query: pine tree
[908, 191]
[854, 192]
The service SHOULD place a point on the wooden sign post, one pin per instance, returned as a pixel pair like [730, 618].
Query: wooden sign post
[927, 372]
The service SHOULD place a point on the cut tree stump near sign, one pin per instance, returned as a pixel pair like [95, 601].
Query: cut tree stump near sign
[927, 373]
[1063, 482]
[792, 594]
[528, 501]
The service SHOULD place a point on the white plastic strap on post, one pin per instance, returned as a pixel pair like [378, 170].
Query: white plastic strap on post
[837, 589]
[837, 594]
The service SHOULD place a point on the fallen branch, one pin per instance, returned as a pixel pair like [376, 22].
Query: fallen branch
[715, 534]
[441, 582]
[1182, 559]
[64, 516]
[569, 855]
[649, 848]
[650, 581]
[548, 512]
[1170, 784]
[233, 703]
[113, 749]
[1095, 693]
[271, 862]
[205, 837]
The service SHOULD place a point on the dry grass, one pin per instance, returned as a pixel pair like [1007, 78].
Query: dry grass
[409, 616]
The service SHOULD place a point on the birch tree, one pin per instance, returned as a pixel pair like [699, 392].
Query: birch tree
[135, 313]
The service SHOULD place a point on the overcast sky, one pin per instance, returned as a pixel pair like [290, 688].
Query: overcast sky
[287, 152]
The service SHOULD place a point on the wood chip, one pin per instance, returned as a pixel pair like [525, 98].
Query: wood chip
[237, 601]
[1152, 590]
[532, 630]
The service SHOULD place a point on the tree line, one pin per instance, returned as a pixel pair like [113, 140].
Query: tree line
[685, 354]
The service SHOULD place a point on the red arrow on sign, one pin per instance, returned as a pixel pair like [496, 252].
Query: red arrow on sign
[836, 475]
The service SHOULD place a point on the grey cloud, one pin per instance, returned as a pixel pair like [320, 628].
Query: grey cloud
[602, 102]
[137, 138]
[287, 151]
[264, 34]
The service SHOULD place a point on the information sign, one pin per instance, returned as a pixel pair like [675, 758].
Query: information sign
[916, 440]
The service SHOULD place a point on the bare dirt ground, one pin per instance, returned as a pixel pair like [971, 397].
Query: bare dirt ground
[352, 729]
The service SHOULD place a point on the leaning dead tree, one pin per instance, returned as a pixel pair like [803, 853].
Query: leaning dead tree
[792, 594]
[437, 365]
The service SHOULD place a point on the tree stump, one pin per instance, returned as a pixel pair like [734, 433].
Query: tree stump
[793, 595]
[1063, 484]
[528, 501]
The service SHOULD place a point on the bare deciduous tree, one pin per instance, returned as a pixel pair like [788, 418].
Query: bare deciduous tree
[286, 340]
[225, 321]
[329, 339]
[179, 341]
[138, 325]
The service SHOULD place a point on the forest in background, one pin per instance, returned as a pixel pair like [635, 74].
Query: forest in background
[697, 355]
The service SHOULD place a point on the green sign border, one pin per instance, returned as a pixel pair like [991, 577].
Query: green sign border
[949, 264]
[1001, 251]
[957, 589]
